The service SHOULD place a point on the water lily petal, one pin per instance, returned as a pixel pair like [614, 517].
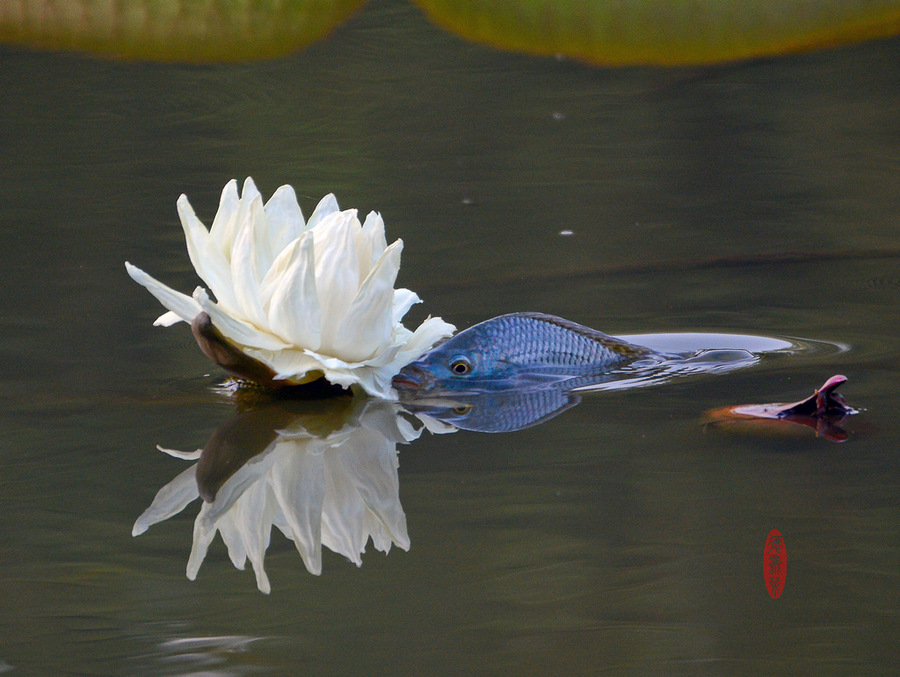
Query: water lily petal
[426, 335]
[328, 362]
[370, 242]
[327, 206]
[276, 274]
[347, 377]
[404, 299]
[369, 379]
[294, 312]
[368, 321]
[182, 305]
[183, 455]
[208, 259]
[237, 330]
[432, 330]
[167, 319]
[225, 222]
[337, 271]
[251, 257]
[284, 217]
[288, 365]
[249, 192]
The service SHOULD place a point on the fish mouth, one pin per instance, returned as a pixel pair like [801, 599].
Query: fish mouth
[413, 377]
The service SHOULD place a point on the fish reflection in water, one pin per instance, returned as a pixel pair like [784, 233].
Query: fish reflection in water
[324, 472]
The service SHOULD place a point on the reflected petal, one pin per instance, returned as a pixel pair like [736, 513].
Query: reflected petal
[253, 510]
[204, 533]
[169, 501]
[299, 487]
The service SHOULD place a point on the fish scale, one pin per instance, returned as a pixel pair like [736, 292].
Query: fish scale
[541, 342]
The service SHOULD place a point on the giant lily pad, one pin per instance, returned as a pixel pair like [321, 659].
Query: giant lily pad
[199, 31]
[665, 32]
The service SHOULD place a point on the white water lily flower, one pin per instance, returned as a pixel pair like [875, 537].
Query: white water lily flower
[305, 298]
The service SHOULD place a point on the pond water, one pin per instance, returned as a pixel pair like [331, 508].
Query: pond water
[622, 536]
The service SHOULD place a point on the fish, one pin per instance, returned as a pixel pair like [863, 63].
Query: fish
[514, 351]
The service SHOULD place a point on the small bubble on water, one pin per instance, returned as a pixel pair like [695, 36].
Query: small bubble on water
[566, 233]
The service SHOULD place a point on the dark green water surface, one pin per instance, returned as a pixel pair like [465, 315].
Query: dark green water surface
[623, 536]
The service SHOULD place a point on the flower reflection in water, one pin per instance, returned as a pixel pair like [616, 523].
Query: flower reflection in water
[323, 471]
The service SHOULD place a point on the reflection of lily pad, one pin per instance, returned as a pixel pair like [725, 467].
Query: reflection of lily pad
[665, 32]
[173, 30]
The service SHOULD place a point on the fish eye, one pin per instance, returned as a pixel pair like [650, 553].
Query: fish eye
[461, 409]
[460, 366]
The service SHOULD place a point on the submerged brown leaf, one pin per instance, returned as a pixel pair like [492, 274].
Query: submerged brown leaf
[823, 411]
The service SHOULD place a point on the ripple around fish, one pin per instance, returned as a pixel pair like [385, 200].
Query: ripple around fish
[689, 354]
[695, 342]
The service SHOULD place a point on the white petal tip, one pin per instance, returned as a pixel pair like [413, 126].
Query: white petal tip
[184, 455]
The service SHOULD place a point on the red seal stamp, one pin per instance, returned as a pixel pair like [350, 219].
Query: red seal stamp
[774, 563]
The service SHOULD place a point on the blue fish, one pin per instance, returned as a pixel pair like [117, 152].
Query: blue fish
[514, 351]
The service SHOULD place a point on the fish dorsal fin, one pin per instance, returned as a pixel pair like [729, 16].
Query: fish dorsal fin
[612, 343]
